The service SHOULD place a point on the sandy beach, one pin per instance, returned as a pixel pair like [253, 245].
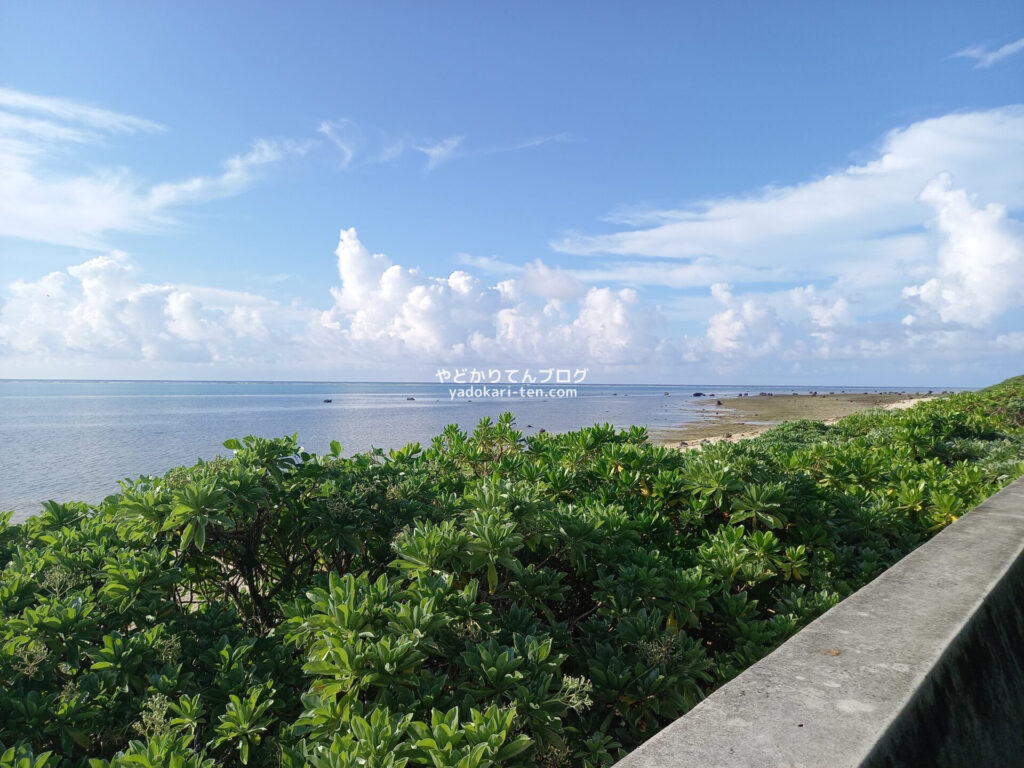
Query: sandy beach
[739, 418]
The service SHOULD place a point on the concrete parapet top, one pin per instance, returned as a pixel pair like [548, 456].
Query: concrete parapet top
[838, 689]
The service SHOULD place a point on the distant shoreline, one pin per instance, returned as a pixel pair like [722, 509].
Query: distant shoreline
[73, 440]
[740, 418]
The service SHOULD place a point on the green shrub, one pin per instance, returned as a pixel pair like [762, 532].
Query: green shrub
[489, 600]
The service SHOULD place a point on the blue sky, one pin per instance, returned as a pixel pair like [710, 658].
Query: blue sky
[777, 193]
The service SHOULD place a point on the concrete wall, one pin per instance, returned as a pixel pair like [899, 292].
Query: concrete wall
[922, 667]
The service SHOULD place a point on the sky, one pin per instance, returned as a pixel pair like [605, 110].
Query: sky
[773, 193]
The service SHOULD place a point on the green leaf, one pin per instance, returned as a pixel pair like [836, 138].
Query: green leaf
[517, 746]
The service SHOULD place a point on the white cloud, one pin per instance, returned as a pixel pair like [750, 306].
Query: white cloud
[747, 326]
[534, 141]
[489, 264]
[440, 152]
[239, 172]
[550, 282]
[75, 112]
[1012, 341]
[698, 272]
[813, 272]
[980, 270]
[389, 311]
[99, 309]
[823, 314]
[345, 135]
[28, 132]
[863, 221]
[986, 58]
[390, 318]
[41, 199]
[370, 147]
[852, 242]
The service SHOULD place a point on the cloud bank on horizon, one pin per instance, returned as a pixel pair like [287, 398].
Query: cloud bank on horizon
[912, 257]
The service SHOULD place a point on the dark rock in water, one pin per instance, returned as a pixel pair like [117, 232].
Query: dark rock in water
[328, 400]
[529, 426]
[698, 394]
[542, 431]
[718, 402]
[410, 398]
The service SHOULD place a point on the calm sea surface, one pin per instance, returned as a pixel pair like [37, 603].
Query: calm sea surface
[73, 440]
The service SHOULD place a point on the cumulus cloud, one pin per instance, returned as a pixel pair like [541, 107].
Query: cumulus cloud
[389, 317]
[100, 309]
[980, 259]
[822, 312]
[985, 57]
[381, 312]
[747, 326]
[395, 310]
[41, 200]
[383, 308]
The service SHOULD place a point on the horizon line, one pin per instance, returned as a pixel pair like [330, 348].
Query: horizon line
[465, 384]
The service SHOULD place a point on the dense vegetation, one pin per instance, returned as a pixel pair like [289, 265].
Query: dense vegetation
[491, 600]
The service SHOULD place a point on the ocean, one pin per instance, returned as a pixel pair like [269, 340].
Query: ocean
[73, 440]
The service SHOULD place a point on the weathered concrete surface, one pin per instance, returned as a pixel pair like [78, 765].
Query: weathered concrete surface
[929, 669]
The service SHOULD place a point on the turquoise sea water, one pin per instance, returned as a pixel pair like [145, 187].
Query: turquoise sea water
[73, 440]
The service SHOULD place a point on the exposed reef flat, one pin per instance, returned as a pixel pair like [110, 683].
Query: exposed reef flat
[741, 417]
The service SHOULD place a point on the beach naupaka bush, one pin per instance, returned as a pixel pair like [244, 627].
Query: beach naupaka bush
[491, 599]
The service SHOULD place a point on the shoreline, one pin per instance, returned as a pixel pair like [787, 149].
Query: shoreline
[741, 418]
